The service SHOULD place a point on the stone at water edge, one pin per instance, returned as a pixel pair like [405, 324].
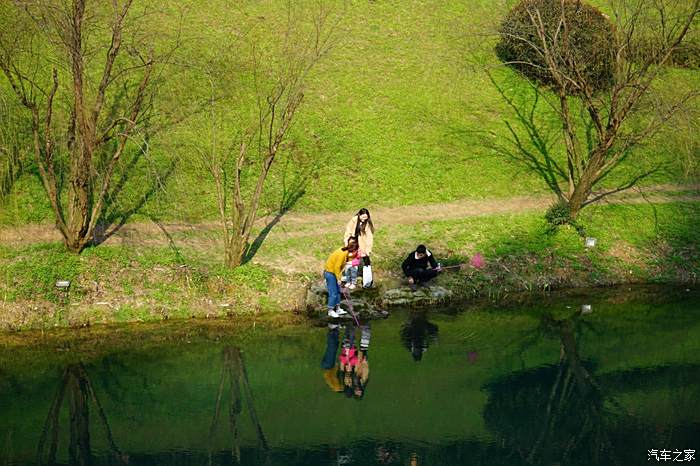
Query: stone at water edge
[422, 296]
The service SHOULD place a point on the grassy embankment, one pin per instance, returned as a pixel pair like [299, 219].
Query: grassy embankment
[140, 283]
[392, 117]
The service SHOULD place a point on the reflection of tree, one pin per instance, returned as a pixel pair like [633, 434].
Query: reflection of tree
[238, 391]
[75, 383]
[417, 334]
[549, 414]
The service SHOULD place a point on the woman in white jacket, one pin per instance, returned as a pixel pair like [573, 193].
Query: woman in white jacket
[361, 227]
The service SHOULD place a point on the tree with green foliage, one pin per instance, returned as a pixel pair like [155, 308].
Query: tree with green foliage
[84, 74]
[578, 60]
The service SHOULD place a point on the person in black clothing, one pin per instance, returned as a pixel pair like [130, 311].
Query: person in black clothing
[415, 266]
[418, 333]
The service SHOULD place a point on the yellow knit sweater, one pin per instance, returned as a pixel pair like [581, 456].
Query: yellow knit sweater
[336, 261]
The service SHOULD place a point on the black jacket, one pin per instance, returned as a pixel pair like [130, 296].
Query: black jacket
[412, 263]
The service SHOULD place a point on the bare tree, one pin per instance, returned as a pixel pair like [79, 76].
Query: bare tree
[600, 87]
[13, 145]
[85, 78]
[277, 82]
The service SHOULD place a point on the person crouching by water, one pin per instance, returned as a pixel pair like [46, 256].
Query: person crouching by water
[420, 266]
[332, 274]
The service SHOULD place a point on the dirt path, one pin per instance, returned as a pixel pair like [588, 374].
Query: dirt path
[304, 224]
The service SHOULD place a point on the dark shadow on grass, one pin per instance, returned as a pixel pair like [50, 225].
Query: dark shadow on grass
[291, 193]
[171, 240]
[257, 243]
[677, 244]
[114, 216]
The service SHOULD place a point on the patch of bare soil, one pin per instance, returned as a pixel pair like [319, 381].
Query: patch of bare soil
[294, 225]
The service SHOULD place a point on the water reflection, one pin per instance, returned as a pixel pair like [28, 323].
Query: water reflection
[542, 388]
[566, 414]
[237, 392]
[564, 400]
[347, 372]
[75, 383]
[417, 334]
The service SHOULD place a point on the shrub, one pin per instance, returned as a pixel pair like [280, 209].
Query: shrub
[559, 214]
[591, 41]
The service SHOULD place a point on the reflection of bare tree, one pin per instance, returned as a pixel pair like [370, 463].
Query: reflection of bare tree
[571, 375]
[556, 413]
[238, 391]
[75, 382]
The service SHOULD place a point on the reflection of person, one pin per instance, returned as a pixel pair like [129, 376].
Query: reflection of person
[332, 273]
[417, 334]
[361, 227]
[386, 455]
[420, 266]
[328, 361]
[352, 371]
[361, 376]
[348, 360]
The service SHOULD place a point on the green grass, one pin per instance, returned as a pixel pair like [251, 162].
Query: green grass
[393, 115]
[34, 271]
[154, 275]
[635, 243]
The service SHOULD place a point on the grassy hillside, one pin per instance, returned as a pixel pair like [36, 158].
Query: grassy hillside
[393, 116]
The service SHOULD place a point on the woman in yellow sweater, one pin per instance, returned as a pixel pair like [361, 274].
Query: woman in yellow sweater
[334, 269]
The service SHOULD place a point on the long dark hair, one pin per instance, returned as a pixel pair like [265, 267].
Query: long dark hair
[359, 226]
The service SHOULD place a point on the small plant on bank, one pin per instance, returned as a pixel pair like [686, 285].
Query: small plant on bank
[559, 214]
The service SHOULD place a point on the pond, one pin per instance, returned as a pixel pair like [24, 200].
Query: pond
[547, 382]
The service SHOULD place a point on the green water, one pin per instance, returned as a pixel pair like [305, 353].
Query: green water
[540, 383]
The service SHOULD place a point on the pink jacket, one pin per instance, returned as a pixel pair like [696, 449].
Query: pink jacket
[348, 356]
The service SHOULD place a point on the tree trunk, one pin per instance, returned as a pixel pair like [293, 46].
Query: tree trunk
[77, 234]
[235, 250]
[79, 194]
[580, 194]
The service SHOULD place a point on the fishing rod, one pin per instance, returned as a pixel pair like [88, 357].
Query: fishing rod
[445, 267]
[346, 293]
